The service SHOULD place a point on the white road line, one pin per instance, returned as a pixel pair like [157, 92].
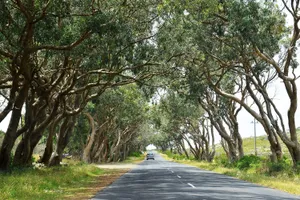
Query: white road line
[191, 185]
[172, 172]
[178, 176]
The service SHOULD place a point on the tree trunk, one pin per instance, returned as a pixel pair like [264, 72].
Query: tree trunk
[22, 153]
[276, 152]
[184, 149]
[86, 156]
[49, 145]
[62, 141]
[11, 133]
[232, 151]
[295, 153]
[239, 140]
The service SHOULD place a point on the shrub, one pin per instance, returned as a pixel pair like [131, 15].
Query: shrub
[282, 165]
[136, 154]
[168, 153]
[222, 160]
[175, 156]
[248, 161]
[275, 167]
[179, 157]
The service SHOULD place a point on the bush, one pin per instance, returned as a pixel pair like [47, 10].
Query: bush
[275, 167]
[222, 160]
[248, 161]
[136, 154]
[283, 165]
[168, 153]
[179, 157]
[174, 155]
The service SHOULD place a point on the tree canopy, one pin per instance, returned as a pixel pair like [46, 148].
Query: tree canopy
[80, 76]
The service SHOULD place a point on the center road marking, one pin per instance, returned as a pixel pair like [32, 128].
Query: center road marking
[191, 185]
[178, 176]
[172, 172]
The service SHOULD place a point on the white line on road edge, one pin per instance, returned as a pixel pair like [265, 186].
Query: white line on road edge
[178, 176]
[191, 185]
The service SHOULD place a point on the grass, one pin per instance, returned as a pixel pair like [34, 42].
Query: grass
[74, 181]
[50, 183]
[284, 181]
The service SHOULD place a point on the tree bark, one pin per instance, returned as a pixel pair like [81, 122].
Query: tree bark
[86, 156]
[49, 144]
[11, 133]
[62, 141]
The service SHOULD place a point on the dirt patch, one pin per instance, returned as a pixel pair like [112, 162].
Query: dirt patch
[97, 185]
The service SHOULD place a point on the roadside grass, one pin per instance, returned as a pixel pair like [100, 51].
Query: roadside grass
[49, 183]
[75, 180]
[286, 180]
[135, 158]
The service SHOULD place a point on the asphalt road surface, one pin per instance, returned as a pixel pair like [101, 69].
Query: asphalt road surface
[163, 180]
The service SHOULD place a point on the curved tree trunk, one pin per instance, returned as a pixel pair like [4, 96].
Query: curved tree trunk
[86, 156]
[49, 144]
[62, 140]
[11, 133]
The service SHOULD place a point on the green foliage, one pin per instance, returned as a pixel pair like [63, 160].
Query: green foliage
[276, 167]
[282, 165]
[136, 154]
[261, 24]
[171, 116]
[161, 140]
[222, 160]
[175, 156]
[248, 161]
[79, 136]
[124, 107]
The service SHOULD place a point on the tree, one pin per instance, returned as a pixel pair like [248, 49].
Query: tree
[182, 119]
[242, 39]
[59, 55]
[116, 122]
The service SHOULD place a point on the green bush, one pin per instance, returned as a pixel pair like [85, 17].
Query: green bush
[282, 165]
[179, 157]
[174, 155]
[248, 161]
[275, 167]
[168, 153]
[136, 154]
[222, 160]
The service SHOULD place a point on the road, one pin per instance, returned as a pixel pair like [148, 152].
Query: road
[164, 180]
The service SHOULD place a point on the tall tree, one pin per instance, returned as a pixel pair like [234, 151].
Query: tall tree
[59, 55]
